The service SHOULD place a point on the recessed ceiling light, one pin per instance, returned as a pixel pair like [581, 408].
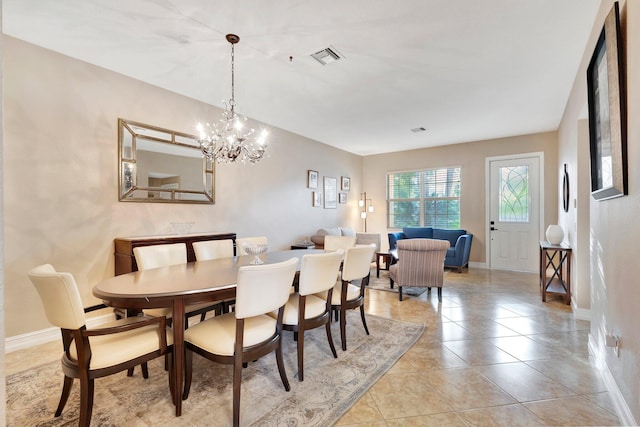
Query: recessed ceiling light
[420, 129]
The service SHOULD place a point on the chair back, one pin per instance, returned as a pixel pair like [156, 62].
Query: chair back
[318, 272]
[60, 297]
[213, 249]
[333, 243]
[421, 262]
[263, 288]
[258, 240]
[160, 255]
[357, 262]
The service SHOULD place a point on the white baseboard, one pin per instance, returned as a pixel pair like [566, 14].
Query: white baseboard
[619, 404]
[19, 342]
[580, 313]
[481, 265]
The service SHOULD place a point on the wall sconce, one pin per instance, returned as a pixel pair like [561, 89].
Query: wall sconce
[366, 205]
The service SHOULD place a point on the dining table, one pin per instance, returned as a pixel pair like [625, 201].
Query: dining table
[178, 285]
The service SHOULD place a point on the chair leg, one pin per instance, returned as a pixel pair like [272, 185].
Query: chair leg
[237, 381]
[188, 373]
[390, 282]
[364, 321]
[330, 339]
[86, 399]
[440, 294]
[343, 328]
[300, 339]
[400, 293]
[280, 362]
[130, 372]
[66, 390]
[145, 370]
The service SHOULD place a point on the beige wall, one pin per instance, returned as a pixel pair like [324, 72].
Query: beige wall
[471, 158]
[608, 244]
[60, 169]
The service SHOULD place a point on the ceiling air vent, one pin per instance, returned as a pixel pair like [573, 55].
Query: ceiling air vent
[417, 130]
[327, 55]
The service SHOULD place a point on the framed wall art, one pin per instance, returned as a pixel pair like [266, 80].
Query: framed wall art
[330, 192]
[345, 183]
[342, 197]
[317, 199]
[312, 179]
[607, 112]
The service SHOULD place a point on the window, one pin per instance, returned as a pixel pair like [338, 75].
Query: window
[428, 198]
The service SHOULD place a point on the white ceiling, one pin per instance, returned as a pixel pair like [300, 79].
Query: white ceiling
[466, 70]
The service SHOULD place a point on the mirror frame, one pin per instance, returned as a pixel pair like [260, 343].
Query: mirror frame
[127, 176]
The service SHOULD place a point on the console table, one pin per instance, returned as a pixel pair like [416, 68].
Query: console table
[125, 261]
[558, 259]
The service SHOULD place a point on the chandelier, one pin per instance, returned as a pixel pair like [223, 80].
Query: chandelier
[229, 140]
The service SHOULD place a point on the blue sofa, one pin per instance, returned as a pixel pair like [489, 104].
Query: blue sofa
[457, 255]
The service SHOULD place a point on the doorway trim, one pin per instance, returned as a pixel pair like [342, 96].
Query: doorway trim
[487, 189]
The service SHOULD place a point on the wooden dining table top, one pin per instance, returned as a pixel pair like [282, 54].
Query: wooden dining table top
[188, 279]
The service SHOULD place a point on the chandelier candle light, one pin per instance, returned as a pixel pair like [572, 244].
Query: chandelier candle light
[228, 140]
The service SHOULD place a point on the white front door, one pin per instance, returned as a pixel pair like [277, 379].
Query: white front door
[514, 213]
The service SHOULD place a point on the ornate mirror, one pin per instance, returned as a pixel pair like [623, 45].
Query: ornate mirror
[161, 165]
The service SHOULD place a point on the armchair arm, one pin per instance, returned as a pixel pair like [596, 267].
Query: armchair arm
[393, 239]
[144, 322]
[463, 249]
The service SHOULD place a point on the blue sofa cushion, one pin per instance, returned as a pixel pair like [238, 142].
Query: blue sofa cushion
[450, 235]
[418, 232]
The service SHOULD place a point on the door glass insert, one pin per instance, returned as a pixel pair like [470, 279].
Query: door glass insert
[513, 197]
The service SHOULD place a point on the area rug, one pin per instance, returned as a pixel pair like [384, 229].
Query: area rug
[330, 388]
[382, 284]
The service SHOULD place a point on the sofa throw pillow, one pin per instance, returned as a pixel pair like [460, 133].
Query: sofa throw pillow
[335, 231]
[347, 231]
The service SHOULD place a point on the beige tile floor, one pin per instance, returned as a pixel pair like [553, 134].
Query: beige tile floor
[492, 354]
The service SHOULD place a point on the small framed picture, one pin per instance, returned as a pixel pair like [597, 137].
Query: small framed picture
[317, 199]
[342, 197]
[312, 179]
[345, 184]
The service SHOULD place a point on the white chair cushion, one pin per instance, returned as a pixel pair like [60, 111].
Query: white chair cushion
[110, 350]
[353, 292]
[217, 335]
[314, 306]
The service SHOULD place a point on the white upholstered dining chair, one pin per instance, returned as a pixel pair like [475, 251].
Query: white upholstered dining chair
[333, 243]
[156, 256]
[240, 242]
[213, 249]
[304, 310]
[248, 333]
[94, 353]
[346, 294]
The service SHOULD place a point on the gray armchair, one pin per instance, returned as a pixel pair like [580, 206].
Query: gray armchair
[420, 264]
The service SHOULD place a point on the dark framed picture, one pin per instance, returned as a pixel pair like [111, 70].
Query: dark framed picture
[345, 183]
[330, 192]
[342, 197]
[607, 112]
[312, 179]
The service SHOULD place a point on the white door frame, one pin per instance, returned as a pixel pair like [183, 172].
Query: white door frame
[488, 160]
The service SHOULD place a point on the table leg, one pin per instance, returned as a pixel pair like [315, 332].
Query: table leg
[377, 265]
[178, 352]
